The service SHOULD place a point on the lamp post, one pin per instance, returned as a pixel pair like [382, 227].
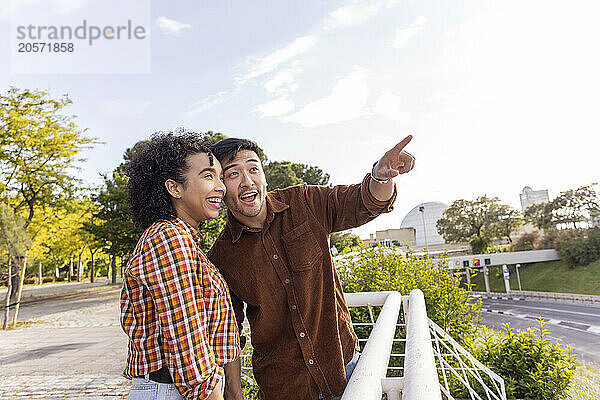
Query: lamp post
[422, 211]
[518, 277]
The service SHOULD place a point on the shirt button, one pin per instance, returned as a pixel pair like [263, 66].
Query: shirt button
[302, 334]
[275, 256]
[287, 281]
[294, 307]
[311, 362]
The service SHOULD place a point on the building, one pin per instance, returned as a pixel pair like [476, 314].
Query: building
[401, 237]
[423, 219]
[530, 197]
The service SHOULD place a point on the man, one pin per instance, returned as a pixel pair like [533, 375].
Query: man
[274, 255]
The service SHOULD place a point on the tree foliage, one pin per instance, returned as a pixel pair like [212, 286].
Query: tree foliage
[38, 149]
[344, 240]
[478, 222]
[531, 366]
[14, 240]
[567, 210]
[376, 269]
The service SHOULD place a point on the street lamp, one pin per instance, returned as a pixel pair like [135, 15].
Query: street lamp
[518, 277]
[422, 211]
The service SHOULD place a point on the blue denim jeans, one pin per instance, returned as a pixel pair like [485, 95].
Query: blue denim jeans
[349, 370]
[146, 389]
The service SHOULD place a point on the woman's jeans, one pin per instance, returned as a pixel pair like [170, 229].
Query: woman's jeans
[349, 370]
[146, 389]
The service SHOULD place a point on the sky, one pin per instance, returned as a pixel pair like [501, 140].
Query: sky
[497, 94]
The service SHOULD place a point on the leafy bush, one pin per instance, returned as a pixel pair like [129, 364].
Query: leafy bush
[582, 249]
[31, 281]
[377, 269]
[525, 242]
[47, 279]
[531, 366]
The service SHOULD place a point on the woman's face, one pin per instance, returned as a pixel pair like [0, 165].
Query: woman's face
[200, 197]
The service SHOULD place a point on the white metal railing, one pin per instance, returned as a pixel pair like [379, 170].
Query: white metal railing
[420, 372]
[365, 382]
[434, 363]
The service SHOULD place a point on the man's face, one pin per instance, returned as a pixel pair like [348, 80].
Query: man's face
[246, 185]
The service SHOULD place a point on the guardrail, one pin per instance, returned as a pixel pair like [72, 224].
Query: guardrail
[543, 295]
[420, 371]
[434, 363]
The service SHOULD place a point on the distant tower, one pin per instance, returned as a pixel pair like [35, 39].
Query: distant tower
[530, 197]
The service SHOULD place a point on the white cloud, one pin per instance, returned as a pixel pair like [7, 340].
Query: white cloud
[270, 62]
[208, 102]
[122, 108]
[284, 81]
[355, 13]
[403, 35]
[388, 105]
[170, 26]
[276, 107]
[347, 101]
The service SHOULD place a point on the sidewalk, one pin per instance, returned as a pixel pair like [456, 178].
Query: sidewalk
[50, 290]
[74, 354]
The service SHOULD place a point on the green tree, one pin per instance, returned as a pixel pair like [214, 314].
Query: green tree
[575, 206]
[38, 149]
[310, 174]
[344, 240]
[111, 224]
[474, 222]
[279, 174]
[508, 220]
[541, 215]
[39, 146]
[14, 242]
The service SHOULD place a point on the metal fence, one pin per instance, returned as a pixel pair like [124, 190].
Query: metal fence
[407, 356]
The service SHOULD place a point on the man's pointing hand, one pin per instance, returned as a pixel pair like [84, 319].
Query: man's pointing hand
[394, 162]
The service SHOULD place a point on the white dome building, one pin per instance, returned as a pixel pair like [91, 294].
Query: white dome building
[423, 219]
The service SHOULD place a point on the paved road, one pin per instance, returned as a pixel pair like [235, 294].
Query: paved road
[73, 349]
[577, 325]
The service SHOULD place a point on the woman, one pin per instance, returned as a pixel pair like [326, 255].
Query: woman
[175, 306]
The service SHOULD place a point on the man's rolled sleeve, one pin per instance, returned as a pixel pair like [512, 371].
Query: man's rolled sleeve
[373, 205]
[173, 281]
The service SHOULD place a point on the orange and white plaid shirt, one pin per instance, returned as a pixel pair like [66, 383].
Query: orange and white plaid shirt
[176, 310]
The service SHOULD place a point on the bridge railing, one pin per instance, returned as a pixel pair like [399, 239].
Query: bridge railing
[407, 356]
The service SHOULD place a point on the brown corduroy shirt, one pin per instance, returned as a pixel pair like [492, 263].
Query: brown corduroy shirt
[300, 325]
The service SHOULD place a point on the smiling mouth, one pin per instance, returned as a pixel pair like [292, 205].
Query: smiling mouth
[214, 201]
[249, 197]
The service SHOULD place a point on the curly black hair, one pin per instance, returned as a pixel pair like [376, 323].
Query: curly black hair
[163, 157]
[226, 149]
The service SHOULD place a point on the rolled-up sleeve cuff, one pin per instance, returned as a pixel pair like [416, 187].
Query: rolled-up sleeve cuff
[373, 205]
[203, 391]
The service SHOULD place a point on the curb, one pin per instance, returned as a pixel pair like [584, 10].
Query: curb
[32, 298]
[524, 295]
[564, 324]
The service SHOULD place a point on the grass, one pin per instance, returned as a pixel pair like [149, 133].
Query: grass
[552, 276]
[585, 385]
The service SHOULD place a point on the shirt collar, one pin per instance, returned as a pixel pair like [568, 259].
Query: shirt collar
[273, 206]
[181, 224]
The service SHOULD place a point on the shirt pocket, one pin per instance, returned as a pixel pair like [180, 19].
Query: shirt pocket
[302, 248]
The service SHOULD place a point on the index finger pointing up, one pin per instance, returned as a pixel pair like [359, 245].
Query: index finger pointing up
[400, 146]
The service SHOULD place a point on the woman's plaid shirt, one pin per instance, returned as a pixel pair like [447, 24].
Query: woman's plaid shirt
[176, 310]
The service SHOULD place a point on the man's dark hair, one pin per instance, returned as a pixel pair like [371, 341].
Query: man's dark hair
[163, 157]
[226, 149]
